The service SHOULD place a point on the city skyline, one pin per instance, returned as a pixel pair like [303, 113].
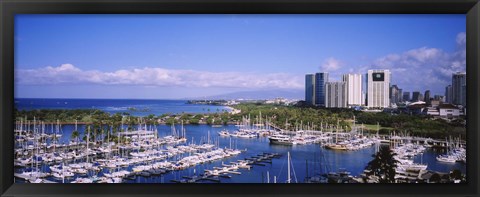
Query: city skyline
[196, 56]
[375, 91]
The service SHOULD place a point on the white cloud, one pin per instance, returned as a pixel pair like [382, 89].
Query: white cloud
[331, 64]
[424, 67]
[461, 39]
[154, 76]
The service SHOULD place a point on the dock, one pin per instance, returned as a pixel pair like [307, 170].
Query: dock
[31, 179]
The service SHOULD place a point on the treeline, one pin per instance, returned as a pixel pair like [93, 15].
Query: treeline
[291, 117]
[285, 117]
[94, 115]
[218, 118]
[418, 125]
[101, 126]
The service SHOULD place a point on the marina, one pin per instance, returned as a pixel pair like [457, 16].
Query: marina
[201, 153]
[172, 106]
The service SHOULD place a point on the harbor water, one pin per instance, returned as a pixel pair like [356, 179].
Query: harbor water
[307, 160]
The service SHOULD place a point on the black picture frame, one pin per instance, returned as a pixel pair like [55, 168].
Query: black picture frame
[9, 8]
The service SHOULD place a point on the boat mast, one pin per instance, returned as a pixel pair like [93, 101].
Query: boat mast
[354, 127]
[268, 177]
[336, 134]
[36, 146]
[88, 138]
[183, 135]
[378, 129]
[288, 157]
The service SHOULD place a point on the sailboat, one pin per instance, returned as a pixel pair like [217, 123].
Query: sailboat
[224, 133]
[447, 158]
[337, 145]
[289, 178]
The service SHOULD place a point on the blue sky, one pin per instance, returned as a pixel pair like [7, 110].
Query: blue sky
[179, 56]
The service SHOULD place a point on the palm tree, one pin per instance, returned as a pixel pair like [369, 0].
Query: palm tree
[383, 165]
[87, 130]
[75, 135]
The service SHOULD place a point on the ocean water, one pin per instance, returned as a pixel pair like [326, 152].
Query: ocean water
[135, 107]
[307, 159]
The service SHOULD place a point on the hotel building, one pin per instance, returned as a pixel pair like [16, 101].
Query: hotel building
[335, 95]
[353, 84]
[378, 88]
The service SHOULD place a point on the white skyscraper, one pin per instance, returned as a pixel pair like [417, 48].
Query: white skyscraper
[335, 95]
[378, 88]
[353, 83]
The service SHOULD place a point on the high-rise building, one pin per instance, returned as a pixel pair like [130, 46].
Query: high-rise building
[320, 80]
[406, 96]
[400, 94]
[439, 98]
[420, 97]
[378, 88]
[459, 83]
[335, 95]
[353, 84]
[426, 98]
[364, 97]
[310, 89]
[395, 94]
[448, 94]
[415, 96]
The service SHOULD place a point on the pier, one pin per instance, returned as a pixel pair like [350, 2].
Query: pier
[436, 143]
[31, 179]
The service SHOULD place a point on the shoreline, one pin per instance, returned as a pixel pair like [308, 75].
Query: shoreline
[86, 123]
[233, 110]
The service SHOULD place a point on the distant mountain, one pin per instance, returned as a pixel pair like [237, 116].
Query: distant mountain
[259, 94]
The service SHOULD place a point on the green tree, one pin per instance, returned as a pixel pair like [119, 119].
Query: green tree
[75, 136]
[194, 121]
[210, 120]
[171, 121]
[383, 165]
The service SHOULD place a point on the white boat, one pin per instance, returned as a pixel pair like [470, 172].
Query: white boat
[82, 180]
[224, 133]
[36, 180]
[246, 135]
[36, 174]
[65, 174]
[281, 139]
[446, 159]
[413, 167]
[80, 171]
